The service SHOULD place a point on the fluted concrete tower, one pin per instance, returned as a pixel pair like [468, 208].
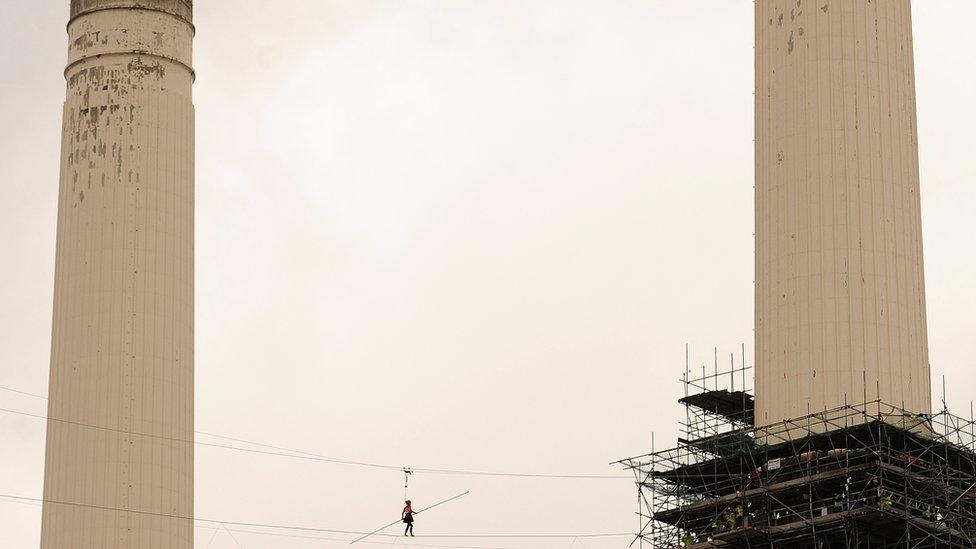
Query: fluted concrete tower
[122, 341]
[840, 293]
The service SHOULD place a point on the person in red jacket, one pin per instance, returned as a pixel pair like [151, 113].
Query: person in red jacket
[408, 518]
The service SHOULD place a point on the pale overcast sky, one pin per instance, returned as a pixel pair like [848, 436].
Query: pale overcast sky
[468, 234]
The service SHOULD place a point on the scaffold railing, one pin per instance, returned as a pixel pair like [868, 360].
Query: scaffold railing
[860, 474]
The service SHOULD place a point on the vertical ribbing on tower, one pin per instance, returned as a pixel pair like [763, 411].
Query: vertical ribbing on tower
[840, 292]
[122, 333]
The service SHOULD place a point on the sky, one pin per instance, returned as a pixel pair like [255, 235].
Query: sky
[459, 234]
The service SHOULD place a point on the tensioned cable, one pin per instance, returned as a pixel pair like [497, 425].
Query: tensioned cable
[286, 535]
[441, 471]
[294, 454]
[42, 397]
[199, 443]
[428, 508]
[300, 454]
[23, 393]
[232, 536]
[214, 536]
[310, 528]
[345, 541]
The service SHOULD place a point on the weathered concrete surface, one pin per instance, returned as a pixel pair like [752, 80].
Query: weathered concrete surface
[840, 293]
[180, 8]
[122, 341]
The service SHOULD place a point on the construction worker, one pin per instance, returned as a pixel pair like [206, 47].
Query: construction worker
[407, 516]
[838, 504]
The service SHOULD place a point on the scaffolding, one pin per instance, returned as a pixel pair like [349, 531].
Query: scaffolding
[866, 475]
[716, 404]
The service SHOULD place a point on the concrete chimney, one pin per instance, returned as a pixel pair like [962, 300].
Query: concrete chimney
[840, 291]
[119, 462]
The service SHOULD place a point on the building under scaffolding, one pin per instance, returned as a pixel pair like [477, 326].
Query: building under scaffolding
[867, 475]
[839, 288]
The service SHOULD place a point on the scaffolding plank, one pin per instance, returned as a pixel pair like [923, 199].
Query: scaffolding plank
[737, 406]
